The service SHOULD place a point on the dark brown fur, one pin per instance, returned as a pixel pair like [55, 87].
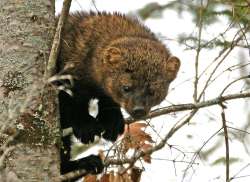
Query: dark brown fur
[117, 60]
[139, 58]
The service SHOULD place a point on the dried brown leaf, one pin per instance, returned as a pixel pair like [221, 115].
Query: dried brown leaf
[106, 178]
[136, 138]
[90, 178]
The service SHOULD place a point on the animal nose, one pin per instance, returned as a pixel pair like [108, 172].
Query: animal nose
[138, 112]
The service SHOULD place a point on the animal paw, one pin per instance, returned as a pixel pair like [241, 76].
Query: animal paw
[92, 164]
[112, 123]
[87, 129]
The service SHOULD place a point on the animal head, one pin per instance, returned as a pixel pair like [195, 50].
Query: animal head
[138, 73]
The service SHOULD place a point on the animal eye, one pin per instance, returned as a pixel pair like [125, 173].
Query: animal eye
[126, 89]
[127, 70]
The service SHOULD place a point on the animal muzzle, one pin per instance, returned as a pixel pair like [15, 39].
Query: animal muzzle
[138, 112]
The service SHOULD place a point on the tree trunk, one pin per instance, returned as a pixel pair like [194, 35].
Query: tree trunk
[28, 109]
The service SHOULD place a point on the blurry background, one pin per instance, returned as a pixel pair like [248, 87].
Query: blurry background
[215, 35]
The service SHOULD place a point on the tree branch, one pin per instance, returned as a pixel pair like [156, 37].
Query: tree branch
[174, 129]
[182, 107]
[149, 151]
[224, 53]
[191, 106]
[51, 67]
[200, 27]
[224, 124]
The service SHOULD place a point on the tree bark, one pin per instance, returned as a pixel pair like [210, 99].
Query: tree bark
[29, 129]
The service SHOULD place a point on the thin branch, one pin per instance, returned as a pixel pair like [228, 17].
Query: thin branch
[196, 78]
[240, 130]
[157, 147]
[241, 78]
[231, 68]
[173, 160]
[224, 125]
[183, 107]
[51, 67]
[191, 106]
[232, 24]
[198, 151]
[229, 50]
[174, 129]
[242, 169]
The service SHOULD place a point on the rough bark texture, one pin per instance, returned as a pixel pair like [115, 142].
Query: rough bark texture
[27, 106]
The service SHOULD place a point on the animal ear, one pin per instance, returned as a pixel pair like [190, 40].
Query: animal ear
[172, 67]
[112, 55]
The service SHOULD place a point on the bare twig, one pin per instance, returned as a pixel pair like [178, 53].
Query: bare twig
[157, 147]
[198, 152]
[51, 67]
[240, 130]
[173, 160]
[229, 50]
[241, 78]
[221, 52]
[190, 106]
[242, 169]
[175, 128]
[224, 124]
[231, 68]
[196, 78]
